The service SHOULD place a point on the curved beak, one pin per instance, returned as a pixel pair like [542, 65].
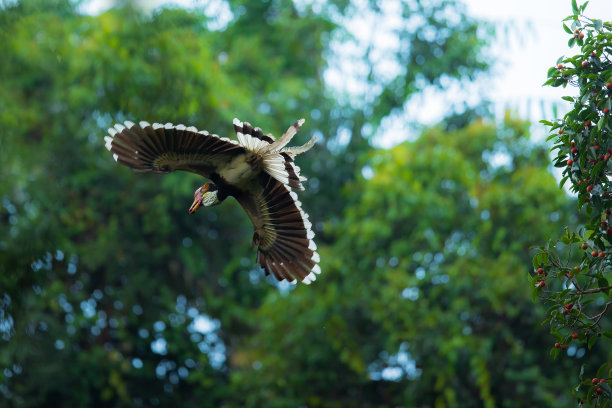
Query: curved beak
[196, 204]
[198, 196]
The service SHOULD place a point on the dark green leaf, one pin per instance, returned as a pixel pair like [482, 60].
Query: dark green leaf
[601, 122]
[602, 369]
[592, 341]
[603, 282]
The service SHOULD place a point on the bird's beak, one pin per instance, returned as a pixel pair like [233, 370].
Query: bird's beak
[198, 196]
[196, 204]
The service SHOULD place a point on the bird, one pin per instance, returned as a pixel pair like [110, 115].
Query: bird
[257, 170]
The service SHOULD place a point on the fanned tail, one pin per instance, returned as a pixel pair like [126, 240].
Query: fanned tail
[295, 150]
[282, 141]
[277, 159]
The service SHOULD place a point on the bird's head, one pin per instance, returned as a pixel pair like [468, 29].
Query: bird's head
[204, 196]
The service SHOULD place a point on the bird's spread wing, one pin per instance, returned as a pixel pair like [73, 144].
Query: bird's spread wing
[282, 231]
[161, 148]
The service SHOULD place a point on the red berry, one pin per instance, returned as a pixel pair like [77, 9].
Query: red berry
[609, 85]
[594, 380]
[610, 150]
[570, 275]
[604, 224]
[581, 35]
[560, 66]
[598, 390]
[585, 64]
[608, 230]
[595, 253]
[602, 380]
[570, 162]
[587, 123]
[570, 305]
[587, 199]
[560, 131]
[540, 270]
[584, 246]
[589, 188]
[606, 157]
[542, 284]
[606, 111]
[602, 254]
[557, 345]
[596, 147]
[574, 336]
[574, 150]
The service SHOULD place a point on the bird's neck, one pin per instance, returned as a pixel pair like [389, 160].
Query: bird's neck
[211, 198]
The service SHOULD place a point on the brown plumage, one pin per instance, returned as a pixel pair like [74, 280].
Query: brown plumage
[257, 170]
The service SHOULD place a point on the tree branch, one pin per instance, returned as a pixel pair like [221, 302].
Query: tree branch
[596, 290]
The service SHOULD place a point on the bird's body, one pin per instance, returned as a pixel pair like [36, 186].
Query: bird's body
[257, 170]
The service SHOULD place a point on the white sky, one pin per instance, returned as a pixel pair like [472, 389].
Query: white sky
[534, 41]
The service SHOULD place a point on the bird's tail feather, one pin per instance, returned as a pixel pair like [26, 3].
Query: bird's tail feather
[277, 158]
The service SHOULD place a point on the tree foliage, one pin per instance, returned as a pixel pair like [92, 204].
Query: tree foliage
[576, 284]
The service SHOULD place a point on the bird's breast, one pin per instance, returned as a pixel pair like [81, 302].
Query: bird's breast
[240, 170]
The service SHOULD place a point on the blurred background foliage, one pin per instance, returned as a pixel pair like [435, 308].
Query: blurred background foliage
[112, 295]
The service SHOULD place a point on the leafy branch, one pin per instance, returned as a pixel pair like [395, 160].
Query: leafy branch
[583, 147]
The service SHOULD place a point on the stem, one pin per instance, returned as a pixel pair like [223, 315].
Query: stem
[596, 290]
[598, 316]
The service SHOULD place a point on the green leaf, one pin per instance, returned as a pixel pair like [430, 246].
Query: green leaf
[567, 30]
[592, 341]
[601, 122]
[575, 9]
[608, 334]
[534, 294]
[567, 98]
[583, 7]
[603, 282]
[596, 168]
[546, 122]
[554, 352]
[539, 259]
[602, 370]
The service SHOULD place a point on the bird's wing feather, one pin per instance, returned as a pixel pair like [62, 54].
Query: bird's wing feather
[162, 148]
[282, 231]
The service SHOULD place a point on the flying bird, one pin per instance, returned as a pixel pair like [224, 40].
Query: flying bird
[257, 170]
